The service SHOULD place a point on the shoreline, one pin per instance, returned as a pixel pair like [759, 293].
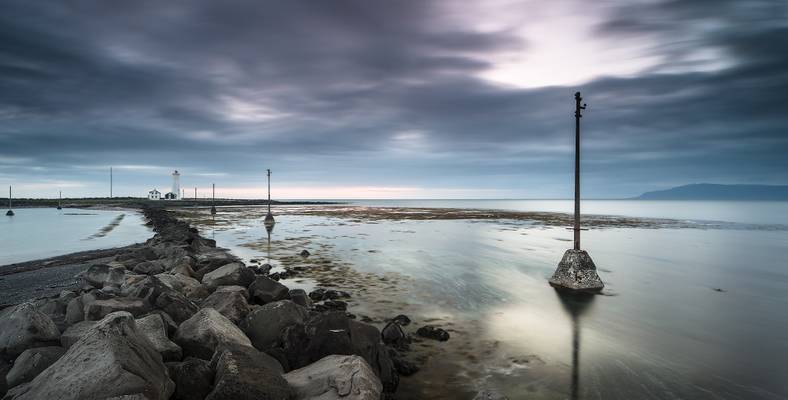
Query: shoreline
[186, 280]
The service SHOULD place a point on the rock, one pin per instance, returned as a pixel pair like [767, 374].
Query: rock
[101, 308]
[101, 275]
[206, 262]
[156, 294]
[265, 290]
[432, 332]
[75, 332]
[576, 272]
[169, 324]
[23, 327]
[331, 305]
[263, 269]
[228, 289]
[404, 367]
[490, 394]
[202, 333]
[4, 368]
[227, 275]
[193, 378]
[260, 358]
[149, 268]
[153, 328]
[401, 320]
[112, 360]
[393, 335]
[300, 297]
[334, 333]
[304, 253]
[317, 294]
[264, 325]
[335, 377]
[232, 304]
[183, 268]
[332, 294]
[31, 362]
[240, 376]
[180, 283]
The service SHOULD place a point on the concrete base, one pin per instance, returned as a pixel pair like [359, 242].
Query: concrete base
[269, 220]
[10, 213]
[576, 272]
[213, 209]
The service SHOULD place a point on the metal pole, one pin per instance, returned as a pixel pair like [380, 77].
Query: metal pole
[269, 191]
[9, 197]
[110, 182]
[578, 107]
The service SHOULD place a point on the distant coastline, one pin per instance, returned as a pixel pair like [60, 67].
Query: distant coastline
[708, 191]
[139, 202]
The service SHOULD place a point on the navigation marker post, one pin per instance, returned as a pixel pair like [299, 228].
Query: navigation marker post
[213, 198]
[269, 218]
[59, 198]
[576, 272]
[10, 212]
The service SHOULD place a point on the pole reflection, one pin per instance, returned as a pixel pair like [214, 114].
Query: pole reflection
[575, 305]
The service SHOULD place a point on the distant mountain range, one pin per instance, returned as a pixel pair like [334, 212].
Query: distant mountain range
[708, 191]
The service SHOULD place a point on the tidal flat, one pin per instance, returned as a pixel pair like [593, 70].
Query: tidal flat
[683, 303]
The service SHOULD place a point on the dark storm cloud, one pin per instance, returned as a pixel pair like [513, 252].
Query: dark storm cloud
[366, 88]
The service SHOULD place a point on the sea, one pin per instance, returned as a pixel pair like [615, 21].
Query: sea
[696, 311]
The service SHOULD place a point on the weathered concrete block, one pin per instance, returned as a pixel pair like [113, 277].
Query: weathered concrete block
[577, 271]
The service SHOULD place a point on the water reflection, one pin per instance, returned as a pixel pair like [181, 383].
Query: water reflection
[575, 305]
[269, 228]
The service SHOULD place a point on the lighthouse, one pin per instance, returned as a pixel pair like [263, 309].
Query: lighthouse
[176, 184]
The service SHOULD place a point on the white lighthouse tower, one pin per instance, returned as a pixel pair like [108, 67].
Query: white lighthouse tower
[176, 184]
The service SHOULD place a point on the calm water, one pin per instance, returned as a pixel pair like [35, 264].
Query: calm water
[35, 233]
[661, 331]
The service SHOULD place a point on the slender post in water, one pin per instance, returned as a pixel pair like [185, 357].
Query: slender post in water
[578, 115]
[59, 198]
[110, 182]
[213, 198]
[269, 218]
[10, 212]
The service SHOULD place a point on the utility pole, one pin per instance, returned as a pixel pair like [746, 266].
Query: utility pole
[110, 182]
[213, 198]
[578, 115]
[269, 218]
[576, 272]
[59, 198]
[10, 212]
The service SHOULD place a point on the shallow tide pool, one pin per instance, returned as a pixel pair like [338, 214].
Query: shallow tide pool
[686, 313]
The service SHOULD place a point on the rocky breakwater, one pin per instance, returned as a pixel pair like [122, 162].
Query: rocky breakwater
[179, 318]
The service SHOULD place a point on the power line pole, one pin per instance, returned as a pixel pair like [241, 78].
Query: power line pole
[10, 212]
[578, 115]
[269, 218]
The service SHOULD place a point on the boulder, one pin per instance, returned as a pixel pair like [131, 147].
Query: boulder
[335, 377]
[300, 297]
[240, 376]
[433, 332]
[402, 320]
[204, 331]
[393, 335]
[304, 253]
[264, 325]
[157, 294]
[266, 290]
[230, 303]
[576, 272]
[230, 274]
[149, 268]
[182, 284]
[31, 362]
[365, 341]
[228, 289]
[75, 311]
[112, 360]
[101, 308]
[193, 378]
[153, 328]
[75, 332]
[101, 275]
[490, 394]
[23, 327]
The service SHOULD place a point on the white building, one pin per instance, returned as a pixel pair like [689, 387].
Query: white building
[154, 195]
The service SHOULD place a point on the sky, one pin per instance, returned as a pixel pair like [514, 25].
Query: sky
[391, 99]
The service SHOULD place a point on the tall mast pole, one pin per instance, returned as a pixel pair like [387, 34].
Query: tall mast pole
[10, 212]
[269, 191]
[110, 182]
[578, 115]
[213, 198]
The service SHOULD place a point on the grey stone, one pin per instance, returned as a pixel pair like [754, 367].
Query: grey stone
[266, 290]
[232, 304]
[193, 378]
[101, 308]
[240, 376]
[101, 275]
[264, 325]
[300, 297]
[31, 362]
[112, 360]
[204, 331]
[182, 284]
[75, 332]
[149, 268]
[490, 394]
[152, 326]
[577, 272]
[227, 275]
[335, 377]
[23, 327]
